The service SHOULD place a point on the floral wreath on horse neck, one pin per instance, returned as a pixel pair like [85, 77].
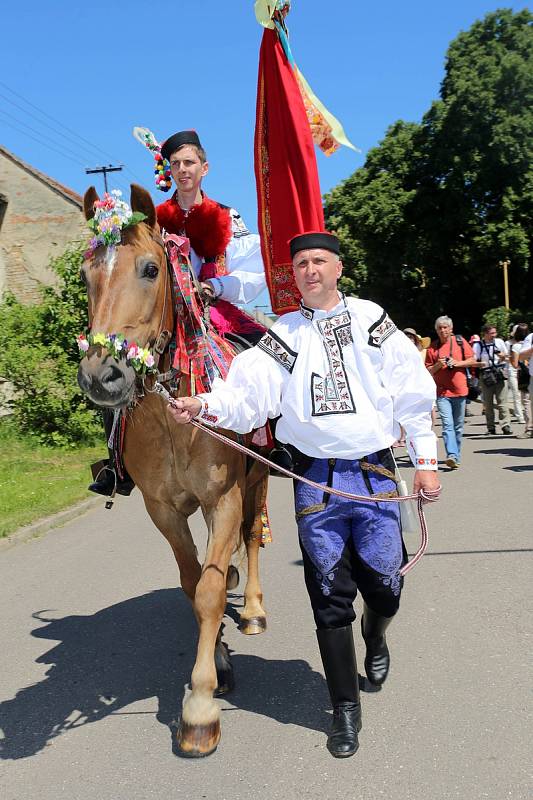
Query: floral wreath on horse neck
[111, 216]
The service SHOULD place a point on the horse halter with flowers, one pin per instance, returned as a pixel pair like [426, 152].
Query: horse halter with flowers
[113, 215]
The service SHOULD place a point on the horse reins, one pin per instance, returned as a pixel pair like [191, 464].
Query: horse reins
[421, 498]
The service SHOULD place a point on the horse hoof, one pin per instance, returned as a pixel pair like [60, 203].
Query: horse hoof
[225, 682]
[198, 741]
[252, 626]
[232, 578]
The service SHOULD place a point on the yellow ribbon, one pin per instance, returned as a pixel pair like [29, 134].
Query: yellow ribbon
[337, 131]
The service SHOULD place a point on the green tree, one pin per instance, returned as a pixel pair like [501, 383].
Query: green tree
[438, 205]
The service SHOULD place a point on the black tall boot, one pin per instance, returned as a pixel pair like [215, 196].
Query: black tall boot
[338, 658]
[377, 659]
[106, 479]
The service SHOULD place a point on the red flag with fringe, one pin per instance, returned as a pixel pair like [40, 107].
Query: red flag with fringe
[288, 188]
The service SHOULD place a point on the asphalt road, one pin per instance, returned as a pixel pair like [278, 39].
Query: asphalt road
[98, 645]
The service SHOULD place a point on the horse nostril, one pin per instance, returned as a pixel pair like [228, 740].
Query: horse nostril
[84, 380]
[112, 374]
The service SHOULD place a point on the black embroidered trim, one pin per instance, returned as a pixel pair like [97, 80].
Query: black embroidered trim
[332, 394]
[238, 225]
[309, 313]
[278, 350]
[380, 331]
[306, 312]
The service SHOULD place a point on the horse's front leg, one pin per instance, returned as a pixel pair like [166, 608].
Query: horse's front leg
[199, 732]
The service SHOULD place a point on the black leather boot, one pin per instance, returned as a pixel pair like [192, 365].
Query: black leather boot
[106, 480]
[377, 659]
[340, 667]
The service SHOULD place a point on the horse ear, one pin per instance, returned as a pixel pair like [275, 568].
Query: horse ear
[140, 200]
[89, 199]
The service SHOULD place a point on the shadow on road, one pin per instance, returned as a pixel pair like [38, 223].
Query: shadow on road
[519, 452]
[141, 648]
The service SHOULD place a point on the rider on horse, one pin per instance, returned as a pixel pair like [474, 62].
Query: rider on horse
[225, 258]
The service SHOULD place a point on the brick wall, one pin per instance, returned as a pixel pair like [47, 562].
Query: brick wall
[38, 222]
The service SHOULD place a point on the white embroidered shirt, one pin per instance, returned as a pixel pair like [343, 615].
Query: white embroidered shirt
[246, 274]
[342, 381]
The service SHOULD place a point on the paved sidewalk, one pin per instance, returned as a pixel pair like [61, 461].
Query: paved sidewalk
[98, 646]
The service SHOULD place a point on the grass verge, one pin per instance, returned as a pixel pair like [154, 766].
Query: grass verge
[36, 481]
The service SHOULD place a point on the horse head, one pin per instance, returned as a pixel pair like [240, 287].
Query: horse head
[129, 300]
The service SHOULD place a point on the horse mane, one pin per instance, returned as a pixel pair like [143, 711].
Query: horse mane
[140, 234]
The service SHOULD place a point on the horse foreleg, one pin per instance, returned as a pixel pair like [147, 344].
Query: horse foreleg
[175, 528]
[253, 615]
[199, 732]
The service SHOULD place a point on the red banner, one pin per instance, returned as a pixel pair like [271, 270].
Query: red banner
[288, 189]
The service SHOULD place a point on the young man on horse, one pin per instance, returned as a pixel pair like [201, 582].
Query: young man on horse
[225, 257]
[343, 380]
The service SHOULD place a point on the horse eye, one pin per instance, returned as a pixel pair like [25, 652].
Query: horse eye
[83, 277]
[150, 271]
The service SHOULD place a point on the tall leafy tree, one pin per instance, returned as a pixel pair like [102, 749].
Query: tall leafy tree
[437, 206]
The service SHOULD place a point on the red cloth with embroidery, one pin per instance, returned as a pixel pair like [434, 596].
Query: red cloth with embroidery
[288, 188]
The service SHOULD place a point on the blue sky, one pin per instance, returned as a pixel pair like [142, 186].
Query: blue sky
[100, 68]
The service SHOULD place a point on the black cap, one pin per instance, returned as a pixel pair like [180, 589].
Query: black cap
[308, 241]
[177, 140]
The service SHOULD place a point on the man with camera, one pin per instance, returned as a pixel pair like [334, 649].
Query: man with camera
[491, 354]
[447, 359]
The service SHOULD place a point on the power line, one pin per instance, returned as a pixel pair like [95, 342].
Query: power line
[44, 144]
[40, 121]
[60, 152]
[44, 136]
[62, 126]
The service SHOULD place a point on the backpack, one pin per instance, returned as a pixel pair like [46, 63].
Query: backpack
[522, 376]
[471, 382]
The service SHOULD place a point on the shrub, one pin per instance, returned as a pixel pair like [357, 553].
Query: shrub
[39, 355]
[504, 318]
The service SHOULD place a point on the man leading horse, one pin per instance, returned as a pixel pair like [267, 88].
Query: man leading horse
[342, 379]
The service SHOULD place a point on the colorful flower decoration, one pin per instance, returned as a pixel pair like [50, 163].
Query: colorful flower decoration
[111, 216]
[163, 176]
[140, 358]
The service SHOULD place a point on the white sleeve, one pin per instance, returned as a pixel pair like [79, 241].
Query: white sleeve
[413, 393]
[246, 273]
[249, 396]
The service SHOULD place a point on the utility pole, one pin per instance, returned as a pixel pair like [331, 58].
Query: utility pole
[104, 171]
[504, 264]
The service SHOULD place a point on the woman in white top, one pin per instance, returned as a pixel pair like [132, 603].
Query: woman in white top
[520, 346]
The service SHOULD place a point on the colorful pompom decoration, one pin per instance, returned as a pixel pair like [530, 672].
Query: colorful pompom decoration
[163, 176]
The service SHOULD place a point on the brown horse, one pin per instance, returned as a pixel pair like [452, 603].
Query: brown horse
[177, 468]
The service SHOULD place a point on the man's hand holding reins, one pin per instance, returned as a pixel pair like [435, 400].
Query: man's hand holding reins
[428, 482]
[183, 409]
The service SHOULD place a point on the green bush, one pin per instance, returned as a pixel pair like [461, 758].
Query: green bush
[504, 318]
[39, 355]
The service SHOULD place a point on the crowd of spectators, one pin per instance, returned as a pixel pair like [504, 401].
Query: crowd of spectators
[482, 367]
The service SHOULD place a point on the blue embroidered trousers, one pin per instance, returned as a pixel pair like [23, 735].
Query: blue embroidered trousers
[346, 545]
